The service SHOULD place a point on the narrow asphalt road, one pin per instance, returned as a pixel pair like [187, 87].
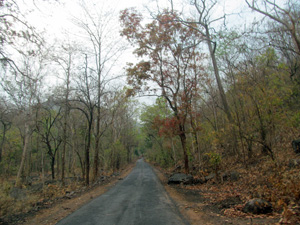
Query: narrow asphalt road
[138, 199]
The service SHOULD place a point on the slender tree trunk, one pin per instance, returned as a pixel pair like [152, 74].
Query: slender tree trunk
[43, 168]
[266, 149]
[173, 150]
[183, 143]
[52, 167]
[64, 151]
[128, 154]
[249, 148]
[64, 147]
[28, 162]
[87, 152]
[217, 75]
[63, 163]
[70, 160]
[220, 88]
[24, 153]
[194, 134]
[3, 140]
[97, 145]
[66, 115]
[82, 166]
[57, 164]
[98, 57]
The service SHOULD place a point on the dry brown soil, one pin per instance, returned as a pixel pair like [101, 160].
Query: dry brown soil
[198, 209]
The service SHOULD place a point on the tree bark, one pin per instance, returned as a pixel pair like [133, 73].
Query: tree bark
[65, 125]
[97, 145]
[43, 168]
[64, 152]
[52, 167]
[24, 153]
[183, 143]
[173, 150]
[3, 139]
[217, 75]
[87, 151]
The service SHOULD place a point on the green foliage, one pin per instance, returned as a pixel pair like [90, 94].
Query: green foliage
[215, 159]
[158, 146]
[115, 155]
[295, 120]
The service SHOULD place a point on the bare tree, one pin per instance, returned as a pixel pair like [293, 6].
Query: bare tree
[288, 16]
[47, 127]
[24, 92]
[100, 31]
[85, 102]
[203, 23]
[283, 30]
[15, 32]
[65, 60]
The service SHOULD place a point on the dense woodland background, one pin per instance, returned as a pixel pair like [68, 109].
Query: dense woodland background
[227, 93]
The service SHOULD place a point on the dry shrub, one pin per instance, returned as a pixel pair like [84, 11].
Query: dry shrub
[276, 182]
[6, 201]
[10, 206]
[52, 191]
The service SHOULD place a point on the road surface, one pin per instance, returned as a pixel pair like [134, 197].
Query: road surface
[139, 199]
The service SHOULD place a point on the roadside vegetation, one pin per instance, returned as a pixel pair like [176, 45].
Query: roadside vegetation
[226, 110]
[238, 115]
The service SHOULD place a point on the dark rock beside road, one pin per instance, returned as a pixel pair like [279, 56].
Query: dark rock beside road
[179, 178]
[232, 176]
[210, 177]
[258, 206]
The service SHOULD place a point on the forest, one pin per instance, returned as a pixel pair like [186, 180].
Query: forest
[221, 88]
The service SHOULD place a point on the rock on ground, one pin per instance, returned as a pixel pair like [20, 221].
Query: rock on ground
[258, 206]
[179, 178]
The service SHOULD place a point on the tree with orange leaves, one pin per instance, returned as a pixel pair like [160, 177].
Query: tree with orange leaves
[170, 59]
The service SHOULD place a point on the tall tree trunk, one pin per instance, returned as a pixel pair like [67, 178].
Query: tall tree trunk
[57, 164]
[70, 160]
[63, 156]
[97, 145]
[217, 75]
[99, 71]
[184, 148]
[3, 139]
[173, 150]
[82, 166]
[266, 149]
[28, 162]
[66, 115]
[87, 152]
[43, 168]
[52, 167]
[24, 153]
[63, 153]
[220, 88]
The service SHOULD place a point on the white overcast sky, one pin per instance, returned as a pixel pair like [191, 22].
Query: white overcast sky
[54, 16]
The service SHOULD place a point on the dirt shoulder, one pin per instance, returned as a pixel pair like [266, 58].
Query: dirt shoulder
[64, 207]
[211, 204]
